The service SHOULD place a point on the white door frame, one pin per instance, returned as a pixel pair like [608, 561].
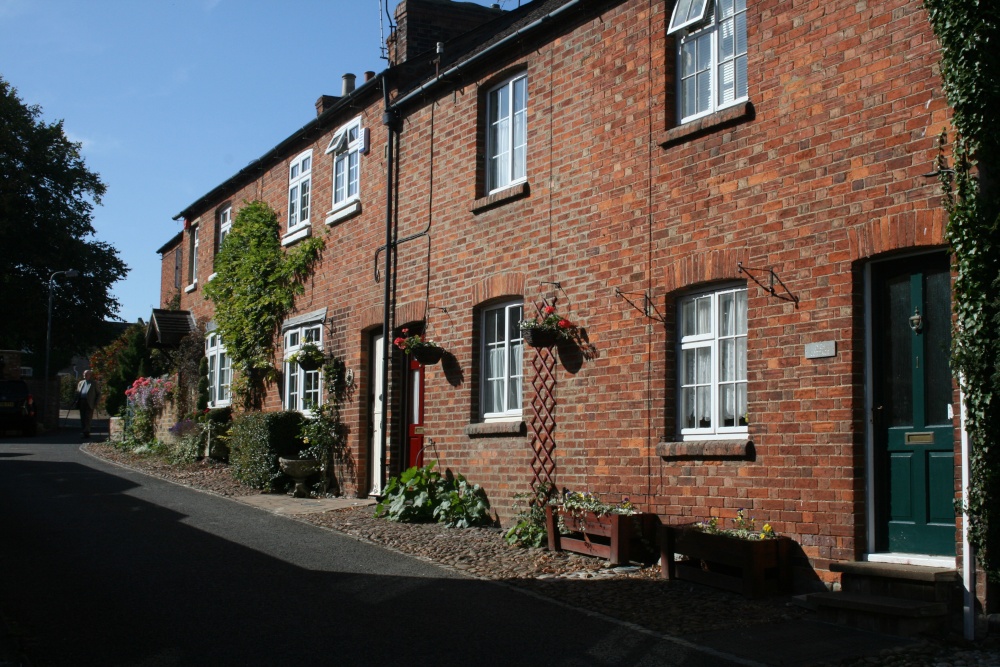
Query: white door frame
[376, 409]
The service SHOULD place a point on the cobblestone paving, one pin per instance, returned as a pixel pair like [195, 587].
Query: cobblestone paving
[634, 593]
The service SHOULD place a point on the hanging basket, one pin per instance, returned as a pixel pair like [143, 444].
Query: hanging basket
[310, 364]
[427, 355]
[540, 337]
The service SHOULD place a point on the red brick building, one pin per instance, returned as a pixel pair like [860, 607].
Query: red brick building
[729, 198]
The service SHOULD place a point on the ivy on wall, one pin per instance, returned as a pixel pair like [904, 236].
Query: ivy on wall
[969, 34]
[253, 291]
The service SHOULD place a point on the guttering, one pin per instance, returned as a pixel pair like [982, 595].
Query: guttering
[440, 78]
[255, 165]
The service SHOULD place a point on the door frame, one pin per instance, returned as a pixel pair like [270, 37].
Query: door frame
[376, 459]
[870, 435]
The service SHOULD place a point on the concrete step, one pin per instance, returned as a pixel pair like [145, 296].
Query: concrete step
[878, 613]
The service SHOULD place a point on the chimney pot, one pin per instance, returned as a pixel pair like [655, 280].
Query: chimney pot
[348, 84]
[369, 75]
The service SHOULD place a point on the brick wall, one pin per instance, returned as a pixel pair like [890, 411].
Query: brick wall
[819, 173]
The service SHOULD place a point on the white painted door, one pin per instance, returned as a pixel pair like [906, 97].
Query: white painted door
[377, 408]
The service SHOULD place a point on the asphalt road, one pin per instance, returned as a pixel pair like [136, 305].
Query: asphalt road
[103, 566]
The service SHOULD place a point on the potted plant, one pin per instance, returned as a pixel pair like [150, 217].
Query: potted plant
[547, 328]
[743, 558]
[581, 523]
[426, 352]
[309, 357]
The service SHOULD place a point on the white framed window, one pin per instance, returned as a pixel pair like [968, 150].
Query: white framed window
[193, 256]
[502, 361]
[220, 372]
[711, 55]
[225, 225]
[299, 190]
[507, 134]
[712, 366]
[348, 144]
[302, 388]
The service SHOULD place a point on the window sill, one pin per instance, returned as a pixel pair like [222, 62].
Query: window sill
[501, 197]
[497, 429]
[211, 277]
[734, 115]
[345, 211]
[297, 235]
[192, 287]
[706, 449]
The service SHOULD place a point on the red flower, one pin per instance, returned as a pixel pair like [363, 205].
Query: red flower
[400, 342]
[565, 324]
[548, 310]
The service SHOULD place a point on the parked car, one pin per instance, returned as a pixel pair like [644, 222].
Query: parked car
[17, 407]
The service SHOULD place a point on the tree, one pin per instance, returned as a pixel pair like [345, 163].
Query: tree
[47, 198]
[254, 289]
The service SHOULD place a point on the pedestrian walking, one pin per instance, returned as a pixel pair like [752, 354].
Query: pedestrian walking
[88, 393]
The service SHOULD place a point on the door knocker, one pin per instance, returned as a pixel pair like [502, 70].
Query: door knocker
[916, 322]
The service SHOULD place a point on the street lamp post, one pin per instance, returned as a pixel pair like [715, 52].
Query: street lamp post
[69, 273]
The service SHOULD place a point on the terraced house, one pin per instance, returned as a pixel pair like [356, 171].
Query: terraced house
[728, 198]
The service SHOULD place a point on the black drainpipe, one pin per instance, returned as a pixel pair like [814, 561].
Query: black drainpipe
[391, 121]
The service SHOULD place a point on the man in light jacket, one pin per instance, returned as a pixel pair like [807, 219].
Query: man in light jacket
[88, 393]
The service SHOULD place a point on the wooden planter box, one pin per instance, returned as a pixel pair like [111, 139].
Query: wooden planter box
[609, 536]
[752, 567]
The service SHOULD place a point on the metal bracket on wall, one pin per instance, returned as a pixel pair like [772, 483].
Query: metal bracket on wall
[784, 295]
[648, 308]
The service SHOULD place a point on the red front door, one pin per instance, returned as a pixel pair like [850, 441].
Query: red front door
[415, 413]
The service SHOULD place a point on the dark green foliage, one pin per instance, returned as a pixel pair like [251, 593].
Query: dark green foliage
[254, 289]
[202, 403]
[218, 422]
[969, 32]
[421, 494]
[47, 197]
[257, 440]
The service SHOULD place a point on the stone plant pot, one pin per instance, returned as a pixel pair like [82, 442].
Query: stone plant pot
[300, 470]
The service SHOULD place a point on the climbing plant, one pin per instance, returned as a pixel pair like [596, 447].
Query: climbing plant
[969, 34]
[253, 291]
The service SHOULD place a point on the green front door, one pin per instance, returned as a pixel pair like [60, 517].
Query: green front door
[915, 441]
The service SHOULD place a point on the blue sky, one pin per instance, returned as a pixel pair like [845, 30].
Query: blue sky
[171, 97]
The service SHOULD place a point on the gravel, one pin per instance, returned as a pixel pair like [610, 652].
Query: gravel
[634, 593]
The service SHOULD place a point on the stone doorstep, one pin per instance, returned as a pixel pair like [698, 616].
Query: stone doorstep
[894, 571]
[877, 604]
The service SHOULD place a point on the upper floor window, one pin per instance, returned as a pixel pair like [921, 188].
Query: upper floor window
[220, 375]
[302, 387]
[507, 134]
[299, 181]
[502, 356]
[193, 256]
[225, 224]
[711, 55]
[347, 146]
[712, 370]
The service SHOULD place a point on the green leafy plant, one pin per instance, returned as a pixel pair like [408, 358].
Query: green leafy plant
[309, 357]
[575, 502]
[529, 521]
[253, 291]
[257, 440]
[743, 528]
[421, 494]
